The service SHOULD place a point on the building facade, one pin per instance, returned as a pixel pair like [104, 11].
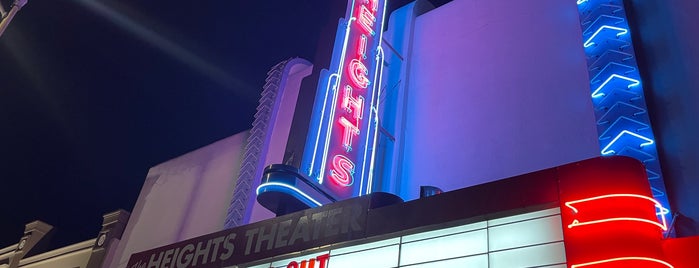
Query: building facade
[513, 108]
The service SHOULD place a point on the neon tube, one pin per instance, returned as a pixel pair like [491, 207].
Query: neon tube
[589, 42]
[353, 105]
[378, 74]
[606, 150]
[320, 126]
[342, 171]
[657, 204]
[596, 93]
[577, 223]
[334, 102]
[293, 189]
[622, 259]
[376, 128]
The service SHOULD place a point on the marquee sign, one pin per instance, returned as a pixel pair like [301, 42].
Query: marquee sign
[595, 213]
[290, 233]
[340, 146]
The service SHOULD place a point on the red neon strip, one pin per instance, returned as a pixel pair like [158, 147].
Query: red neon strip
[575, 223]
[353, 105]
[622, 259]
[578, 223]
[342, 171]
[361, 48]
[350, 131]
[366, 19]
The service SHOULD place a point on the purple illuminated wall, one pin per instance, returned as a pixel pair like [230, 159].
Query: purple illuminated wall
[496, 89]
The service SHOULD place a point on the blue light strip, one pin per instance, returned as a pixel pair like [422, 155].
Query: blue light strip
[590, 41]
[597, 93]
[622, 118]
[336, 91]
[374, 117]
[286, 188]
[607, 151]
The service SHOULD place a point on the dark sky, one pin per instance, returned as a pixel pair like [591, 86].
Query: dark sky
[95, 92]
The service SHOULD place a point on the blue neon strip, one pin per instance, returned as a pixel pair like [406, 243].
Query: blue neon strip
[597, 93]
[285, 188]
[606, 150]
[374, 112]
[622, 118]
[336, 91]
[320, 124]
[589, 41]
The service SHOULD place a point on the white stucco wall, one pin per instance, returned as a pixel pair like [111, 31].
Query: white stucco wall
[280, 125]
[496, 89]
[183, 198]
[189, 196]
[72, 256]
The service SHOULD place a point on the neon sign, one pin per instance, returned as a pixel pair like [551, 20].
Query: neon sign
[340, 149]
[609, 216]
[617, 91]
[616, 224]
[617, 198]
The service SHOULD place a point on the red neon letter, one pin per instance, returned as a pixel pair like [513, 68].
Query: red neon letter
[292, 264]
[358, 73]
[323, 260]
[342, 170]
[361, 47]
[353, 105]
[308, 264]
[374, 5]
[350, 130]
[366, 20]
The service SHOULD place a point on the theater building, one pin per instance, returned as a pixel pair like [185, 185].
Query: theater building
[558, 217]
[477, 133]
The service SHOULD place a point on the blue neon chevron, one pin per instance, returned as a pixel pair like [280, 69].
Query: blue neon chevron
[616, 89]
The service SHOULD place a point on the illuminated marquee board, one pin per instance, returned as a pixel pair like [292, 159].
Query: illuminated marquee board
[340, 146]
[532, 239]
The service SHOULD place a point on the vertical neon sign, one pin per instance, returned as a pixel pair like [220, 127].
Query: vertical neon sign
[340, 147]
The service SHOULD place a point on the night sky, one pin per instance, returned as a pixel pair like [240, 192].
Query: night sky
[95, 92]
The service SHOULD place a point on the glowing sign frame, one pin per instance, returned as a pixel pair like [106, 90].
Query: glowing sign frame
[340, 149]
